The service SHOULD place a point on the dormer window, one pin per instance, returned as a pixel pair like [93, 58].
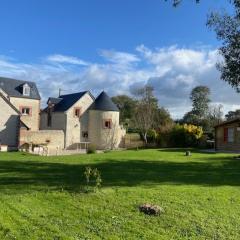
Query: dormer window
[26, 90]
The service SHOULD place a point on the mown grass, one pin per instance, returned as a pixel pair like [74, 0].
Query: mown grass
[41, 198]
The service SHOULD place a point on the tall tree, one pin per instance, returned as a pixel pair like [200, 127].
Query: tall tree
[233, 114]
[227, 28]
[200, 97]
[147, 105]
[215, 116]
[127, 106]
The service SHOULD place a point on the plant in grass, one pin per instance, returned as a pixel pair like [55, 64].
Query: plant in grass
[95, 175]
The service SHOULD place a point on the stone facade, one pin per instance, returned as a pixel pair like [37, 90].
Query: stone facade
[73, 126]
[68, 121]
[9, 124]
[97, 122]
[33, 119]
[99, 135]
[53, 139]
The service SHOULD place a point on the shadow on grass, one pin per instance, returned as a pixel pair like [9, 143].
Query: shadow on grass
[21, 176]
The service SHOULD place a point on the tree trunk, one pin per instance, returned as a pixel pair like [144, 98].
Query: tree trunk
[145, 138]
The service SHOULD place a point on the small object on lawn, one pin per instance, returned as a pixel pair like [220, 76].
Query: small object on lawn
[151, 209]
[188, 153]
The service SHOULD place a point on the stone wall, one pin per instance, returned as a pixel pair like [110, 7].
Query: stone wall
[50, 138]
[32, 120]
[104, 138]
[9, 124]
[76, 125]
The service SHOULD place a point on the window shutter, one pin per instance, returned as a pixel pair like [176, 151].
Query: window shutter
[225, 136]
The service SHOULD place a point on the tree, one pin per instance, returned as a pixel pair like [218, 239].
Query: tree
[146, 108]
[232, 115]
[227, 28]
[215, 116]
[163, 120]
[126, 106]
[200, 97]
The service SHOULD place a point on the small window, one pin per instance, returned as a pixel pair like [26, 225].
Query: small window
[107, 124]
[25, 110]
[85, 134]
[26, 90]
[77, 112]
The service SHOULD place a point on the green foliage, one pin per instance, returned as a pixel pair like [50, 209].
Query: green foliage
[151, 135]
[203, 114]
[91, 149]
[127, 106]
[186, 135]
[95, 175]
[200, 97]
[227, 29]
[233, 114]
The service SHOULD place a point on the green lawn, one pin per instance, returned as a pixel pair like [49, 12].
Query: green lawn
[41, 198]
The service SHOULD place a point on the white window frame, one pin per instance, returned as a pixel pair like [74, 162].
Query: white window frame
[24, 111]
[26, 90]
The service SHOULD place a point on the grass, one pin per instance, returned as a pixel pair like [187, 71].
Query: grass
[41, 198]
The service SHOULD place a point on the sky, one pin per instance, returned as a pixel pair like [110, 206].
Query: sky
[116, 46]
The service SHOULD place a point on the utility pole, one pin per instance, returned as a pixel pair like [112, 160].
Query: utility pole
[59, 92]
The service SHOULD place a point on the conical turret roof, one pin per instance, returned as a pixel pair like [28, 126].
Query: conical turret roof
[104, 103]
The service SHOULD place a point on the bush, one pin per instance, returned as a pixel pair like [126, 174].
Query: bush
[185, 135]
[91, 149]
[151, 136]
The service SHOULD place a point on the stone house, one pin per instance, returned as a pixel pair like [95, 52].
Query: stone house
[68, 122]
[19, 110]
[84, 119]
[227, 135]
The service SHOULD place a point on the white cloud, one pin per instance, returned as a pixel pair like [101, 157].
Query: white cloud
[172, 71]
[58, 58]
[119, 57]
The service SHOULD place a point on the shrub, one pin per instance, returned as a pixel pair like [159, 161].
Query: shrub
[91, 149]
[92, 176]
[151, 135]
[185, 135]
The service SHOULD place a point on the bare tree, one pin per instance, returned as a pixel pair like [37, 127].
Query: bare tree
[146, 108]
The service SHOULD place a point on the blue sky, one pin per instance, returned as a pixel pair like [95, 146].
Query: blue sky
[114, 45]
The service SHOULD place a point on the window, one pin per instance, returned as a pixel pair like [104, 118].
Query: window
[77, 112]
[107, 124]
[25, 110]
[26, 90]
[228, 135]
[85, 134]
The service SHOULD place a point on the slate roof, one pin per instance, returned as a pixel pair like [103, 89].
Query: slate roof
[104, 103]
[13, 88]
[64, 102]
[54, 100]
